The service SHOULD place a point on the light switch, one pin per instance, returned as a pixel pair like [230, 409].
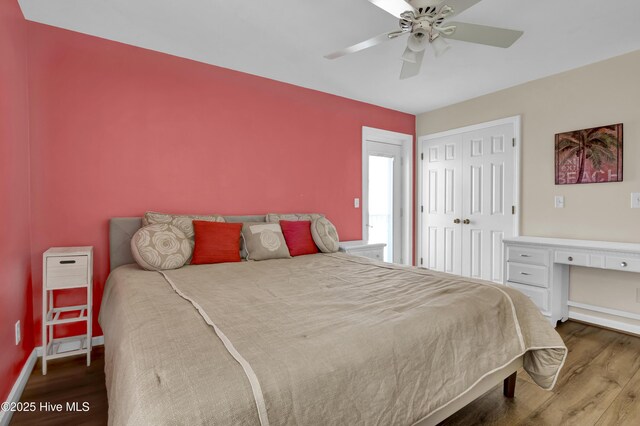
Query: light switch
[356, 203]
[635, 200]
[559, 202]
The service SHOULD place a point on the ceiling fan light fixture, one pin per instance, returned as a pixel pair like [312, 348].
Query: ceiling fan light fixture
[439, 46]
[410, 56]
[418, 41]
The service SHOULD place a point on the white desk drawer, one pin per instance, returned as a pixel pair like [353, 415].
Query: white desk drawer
[572, 258]
[538, 296]
[67, 271]
[528, 274]
[622, 263]
[528, 255]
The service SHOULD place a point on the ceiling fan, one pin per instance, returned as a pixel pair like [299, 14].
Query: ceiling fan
[426, 22]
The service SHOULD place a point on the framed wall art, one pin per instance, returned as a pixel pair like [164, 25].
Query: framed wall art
[589, 155]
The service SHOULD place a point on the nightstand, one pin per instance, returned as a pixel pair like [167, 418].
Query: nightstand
[66, 268]
[363, 248]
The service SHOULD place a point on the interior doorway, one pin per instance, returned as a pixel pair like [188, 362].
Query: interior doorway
[385, 198]
[386, 192]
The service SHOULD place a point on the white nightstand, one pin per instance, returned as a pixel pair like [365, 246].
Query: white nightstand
[363, 248]
[65, 268]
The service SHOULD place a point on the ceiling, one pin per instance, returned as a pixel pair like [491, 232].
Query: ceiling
[285, 40]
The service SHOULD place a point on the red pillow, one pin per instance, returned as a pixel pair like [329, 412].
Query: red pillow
[297, 234]
[216, 242]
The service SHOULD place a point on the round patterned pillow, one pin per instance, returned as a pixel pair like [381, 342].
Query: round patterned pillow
[325, 235]
[160, 246]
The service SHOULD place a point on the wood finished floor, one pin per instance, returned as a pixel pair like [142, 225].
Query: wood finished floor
[67, 380]
[599, 385]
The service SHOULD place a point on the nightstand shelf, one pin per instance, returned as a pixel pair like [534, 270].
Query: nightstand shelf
[53, 316]
[67, 346]
[66, 268]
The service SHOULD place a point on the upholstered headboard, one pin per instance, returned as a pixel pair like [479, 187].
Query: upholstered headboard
[121, 230]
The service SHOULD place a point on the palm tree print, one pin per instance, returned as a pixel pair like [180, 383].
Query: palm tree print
[598, 146]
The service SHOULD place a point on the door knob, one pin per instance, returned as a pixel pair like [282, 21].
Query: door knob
[456, 221]
[466, 221]
[623, 264]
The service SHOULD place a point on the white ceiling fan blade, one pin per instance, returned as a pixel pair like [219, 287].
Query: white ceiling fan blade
[394, 7]
[482, 34]
[411, 69]
[459, 6]
[373, 41]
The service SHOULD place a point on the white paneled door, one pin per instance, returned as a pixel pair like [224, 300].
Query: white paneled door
[468, 200]
[442, 204]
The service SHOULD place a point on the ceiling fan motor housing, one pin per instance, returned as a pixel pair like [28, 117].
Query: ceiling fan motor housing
[426, 19]
[424, 4]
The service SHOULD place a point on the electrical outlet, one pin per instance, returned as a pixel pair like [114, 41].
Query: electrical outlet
[18, 333]
[356, 203]
[559, 202]
[635, 200]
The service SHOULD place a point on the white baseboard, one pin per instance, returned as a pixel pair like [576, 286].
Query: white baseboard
[603, 310]
[95, 341]
[605, 322]
[18, 387]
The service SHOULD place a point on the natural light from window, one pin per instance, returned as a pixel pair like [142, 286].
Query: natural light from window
[381, 203]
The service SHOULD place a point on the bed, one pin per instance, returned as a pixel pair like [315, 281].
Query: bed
[317, 339]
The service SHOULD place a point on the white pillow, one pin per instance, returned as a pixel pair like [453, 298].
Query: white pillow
[325, 235]
[160, 246]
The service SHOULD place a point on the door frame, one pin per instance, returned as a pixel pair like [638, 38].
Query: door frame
[406, 143]
[516, 121]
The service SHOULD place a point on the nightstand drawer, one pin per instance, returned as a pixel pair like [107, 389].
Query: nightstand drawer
[371, 254]
[67, 271]
[528, 274]
[362, 248]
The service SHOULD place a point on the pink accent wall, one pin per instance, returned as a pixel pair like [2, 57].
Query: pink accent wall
[15, 269]
[117, 130]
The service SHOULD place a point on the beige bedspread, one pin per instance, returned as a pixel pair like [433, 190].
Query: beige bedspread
[333, 340]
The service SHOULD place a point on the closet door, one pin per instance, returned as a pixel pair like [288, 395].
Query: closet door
[468, 187]
[488, 178]
[442, 204]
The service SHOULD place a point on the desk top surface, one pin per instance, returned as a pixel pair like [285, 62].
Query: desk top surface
[580, 244]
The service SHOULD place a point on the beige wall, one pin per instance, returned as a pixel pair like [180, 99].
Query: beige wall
[603, 93]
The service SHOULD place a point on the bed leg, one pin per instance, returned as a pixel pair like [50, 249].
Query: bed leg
[509, 389]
